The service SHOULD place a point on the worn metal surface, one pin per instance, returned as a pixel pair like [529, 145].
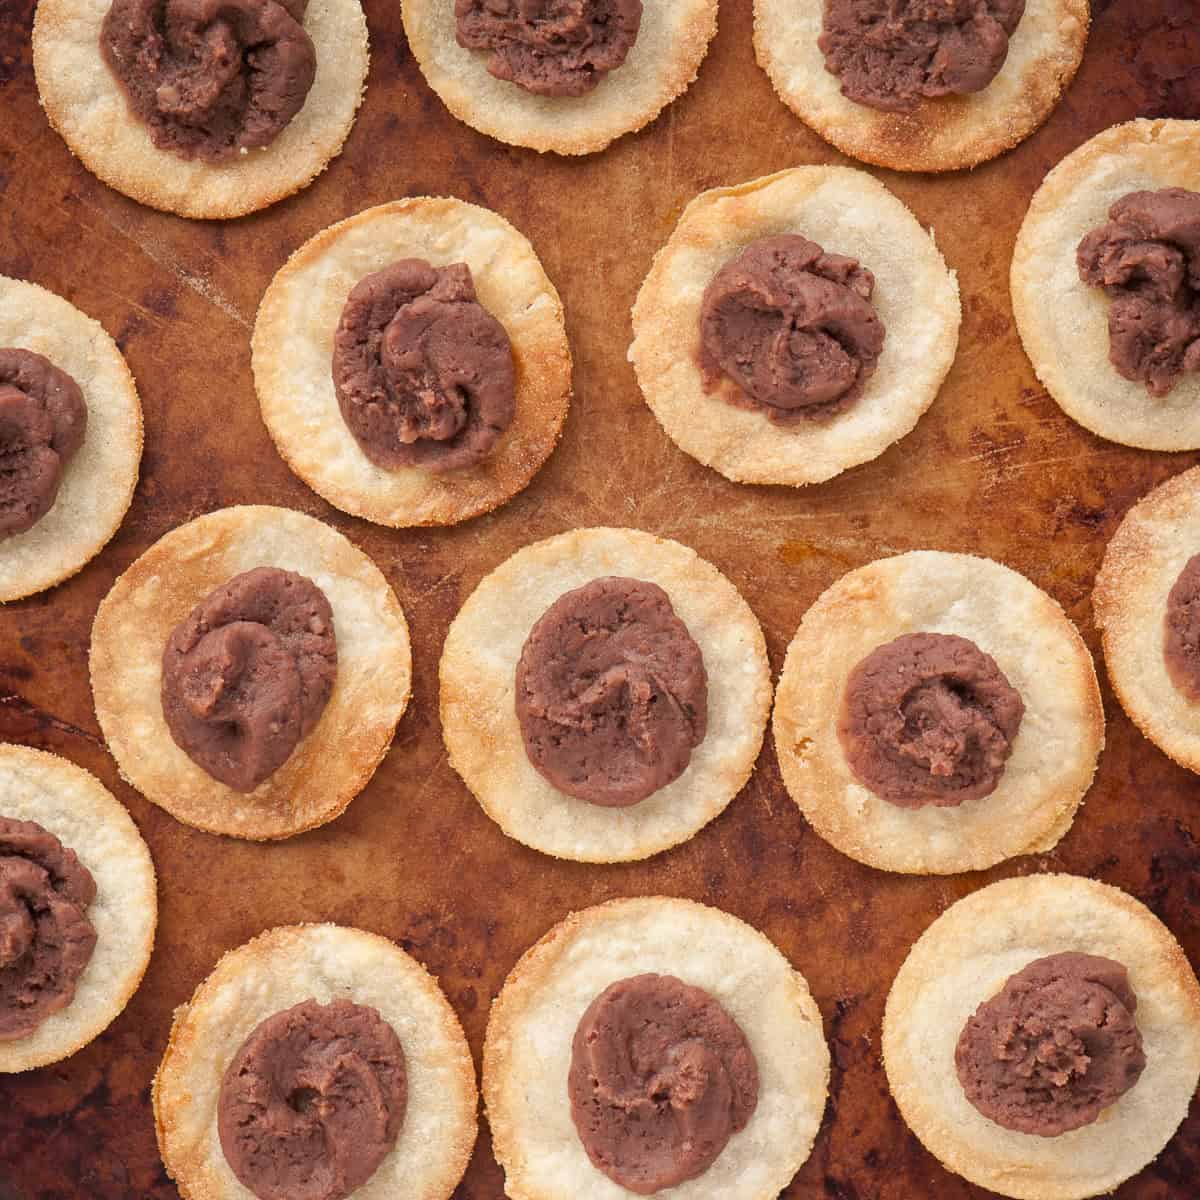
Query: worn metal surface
[994, 468]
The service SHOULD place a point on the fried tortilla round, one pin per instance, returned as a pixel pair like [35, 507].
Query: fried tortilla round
[942, 134]
[1037, 648]
[479, 718]
[284, 967]
[1151, 547]
[83, 814]
[527, 1051]
[1063, 321]
[845, 212]
[329, 766]
[87, 106]
[293, 352]
[964, 958]
[98, 482]
[662, 63]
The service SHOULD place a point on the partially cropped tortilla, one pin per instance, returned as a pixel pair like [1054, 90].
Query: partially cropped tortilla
[1063, 321]
[1151, 547]
[527, 1052]
[944, 134]
[284, 967]
[661, 64]
[83, 814]
[85, 103]
[964, 958]
[98, 482]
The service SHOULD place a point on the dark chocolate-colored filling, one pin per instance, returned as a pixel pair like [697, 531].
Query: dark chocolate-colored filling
[46, 938]
[661, 1077]
[1147, 259]
[423, 372]
[611, 692]
[210, 78]
[550, 47]
[1181, 629]
[929, 719]
[892, 54]
[248, 674]
[313, 1101]
[1055, 1047]
[43, 419]
[793, 327]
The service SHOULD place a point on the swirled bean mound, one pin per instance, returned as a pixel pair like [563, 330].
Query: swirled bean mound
[313, 1101]
[248, 674]
[1146, 257]
[211, 79]
[892, 54]
[550, 47]
[423, 372]
[661, 1077]
[1055, 1047]
[46, 938]
[793, 327]
[43, 419]
[929, 718]
[611, 692]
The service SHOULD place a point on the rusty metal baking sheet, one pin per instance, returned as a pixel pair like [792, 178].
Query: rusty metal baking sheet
[994, 468]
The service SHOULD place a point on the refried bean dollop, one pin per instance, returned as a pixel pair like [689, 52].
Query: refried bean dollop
[423, 372]
[793, 327]
[929, 719]
[1181, 643]
[313, 1101]
[1147, 259]
[210, 79]
[1055, 1047]
[43, 419]
[46, 938]
[611, 692]
[892, 54]
[248, 674]
[661, 1077]
[550, 47]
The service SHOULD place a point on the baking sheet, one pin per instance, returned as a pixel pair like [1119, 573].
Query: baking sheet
[994, 468]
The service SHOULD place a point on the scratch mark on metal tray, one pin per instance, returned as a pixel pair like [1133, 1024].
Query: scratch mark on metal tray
[161, 255]
[12, 702]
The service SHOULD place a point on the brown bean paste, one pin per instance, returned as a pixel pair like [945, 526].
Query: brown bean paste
[611, 692]
[892, 54]
[43, 419]
[1055, 1047]
[550, 47]
[661, 1077]
[210, 79]
[792, 327]
[248, 674]
[929, 719]
[424, 374]
[313, 1101]
[46, 937]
